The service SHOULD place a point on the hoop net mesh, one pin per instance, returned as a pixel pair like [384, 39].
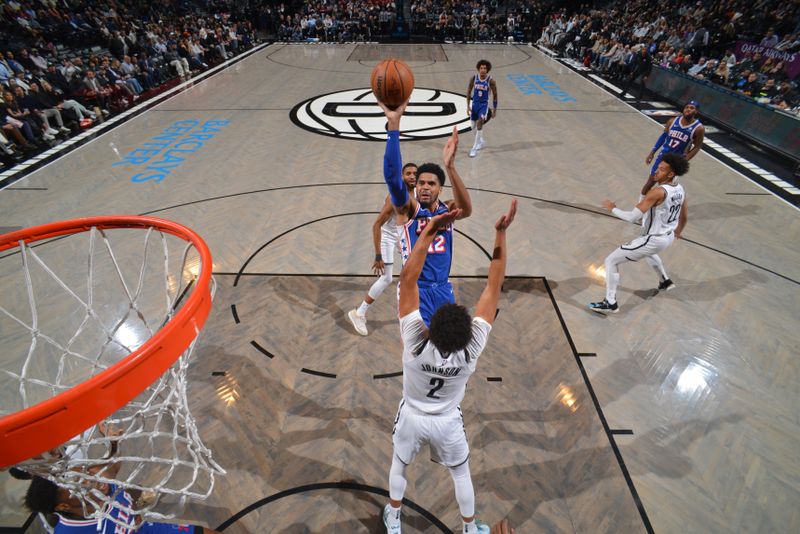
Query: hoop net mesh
[78, 305]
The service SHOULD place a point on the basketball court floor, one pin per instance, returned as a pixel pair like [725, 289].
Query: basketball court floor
[678, 414]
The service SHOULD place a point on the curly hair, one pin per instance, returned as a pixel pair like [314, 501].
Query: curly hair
[42, 496]
[450, 329]
[677, 162]
[484, 62]
[433, 169]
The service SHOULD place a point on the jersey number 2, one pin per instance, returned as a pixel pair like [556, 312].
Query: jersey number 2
[437, 384]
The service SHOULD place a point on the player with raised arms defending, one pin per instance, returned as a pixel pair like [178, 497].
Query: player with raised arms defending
[437, 363]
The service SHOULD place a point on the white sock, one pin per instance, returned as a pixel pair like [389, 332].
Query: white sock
[480, 136]
[612, 281]
[362, 310]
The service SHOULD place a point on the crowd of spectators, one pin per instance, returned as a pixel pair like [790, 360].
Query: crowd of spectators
[68, 64]
[475, 20]
[697, 38]
[426, 20]
[329, 21]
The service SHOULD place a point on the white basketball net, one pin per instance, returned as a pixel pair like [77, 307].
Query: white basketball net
[66, 320]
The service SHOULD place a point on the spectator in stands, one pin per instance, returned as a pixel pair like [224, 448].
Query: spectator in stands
[41, 105]
[23, 119]
[770, 39]
[699, 68]
[81, 113]
[752, 86]
[13, 63]
[5, 71]
[38, 61]
[178, 63]
[11, 127]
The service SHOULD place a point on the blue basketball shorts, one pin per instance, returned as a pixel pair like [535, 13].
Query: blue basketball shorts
[656, 161]
[431, 298]
[480, 110]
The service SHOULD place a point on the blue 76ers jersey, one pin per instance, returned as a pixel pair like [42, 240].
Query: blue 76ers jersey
[89, 526]
[440, 252]
[679, 138]
[480, 90]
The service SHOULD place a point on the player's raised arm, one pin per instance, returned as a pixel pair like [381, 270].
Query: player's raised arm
[487, 303]
[409, 293]
[392, 159]
[461, 198]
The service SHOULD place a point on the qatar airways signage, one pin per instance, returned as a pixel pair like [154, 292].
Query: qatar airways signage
[791, 61]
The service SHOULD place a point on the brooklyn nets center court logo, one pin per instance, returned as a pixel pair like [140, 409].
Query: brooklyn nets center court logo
[354, 114]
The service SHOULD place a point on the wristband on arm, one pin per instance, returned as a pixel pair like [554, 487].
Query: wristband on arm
[494, 104]
[378, 257]
[392, 169]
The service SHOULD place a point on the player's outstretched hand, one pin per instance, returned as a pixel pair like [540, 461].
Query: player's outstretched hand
[450, 149]
[649, 159]
[501, 527]
[607, 204]
[393, 115]
[442, 220]
[505, 221]
[378, 267]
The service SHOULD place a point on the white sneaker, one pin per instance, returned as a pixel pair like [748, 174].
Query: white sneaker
[47, 137]
[359, 322]
[473, 152]
[391, 526]
[51, 131]
[480, 528]
[65, 129]
[481, 144]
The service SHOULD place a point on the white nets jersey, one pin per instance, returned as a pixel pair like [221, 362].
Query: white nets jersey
[432, 383]
[663, 219]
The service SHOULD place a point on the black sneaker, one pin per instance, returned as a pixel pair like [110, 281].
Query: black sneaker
[604, 307]
[666, 285]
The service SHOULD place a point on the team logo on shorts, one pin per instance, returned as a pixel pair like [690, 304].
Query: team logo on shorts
[354, 114]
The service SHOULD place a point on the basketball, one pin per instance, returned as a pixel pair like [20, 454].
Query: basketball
[392, 82]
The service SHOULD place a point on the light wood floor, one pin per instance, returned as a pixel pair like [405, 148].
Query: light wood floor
[685, 400]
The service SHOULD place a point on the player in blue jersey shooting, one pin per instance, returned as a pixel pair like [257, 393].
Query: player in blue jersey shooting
[413, 214]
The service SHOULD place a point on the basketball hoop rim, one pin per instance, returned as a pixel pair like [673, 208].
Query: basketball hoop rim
[48, 424]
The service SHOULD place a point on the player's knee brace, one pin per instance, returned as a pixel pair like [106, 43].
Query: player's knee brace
[380, 285]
